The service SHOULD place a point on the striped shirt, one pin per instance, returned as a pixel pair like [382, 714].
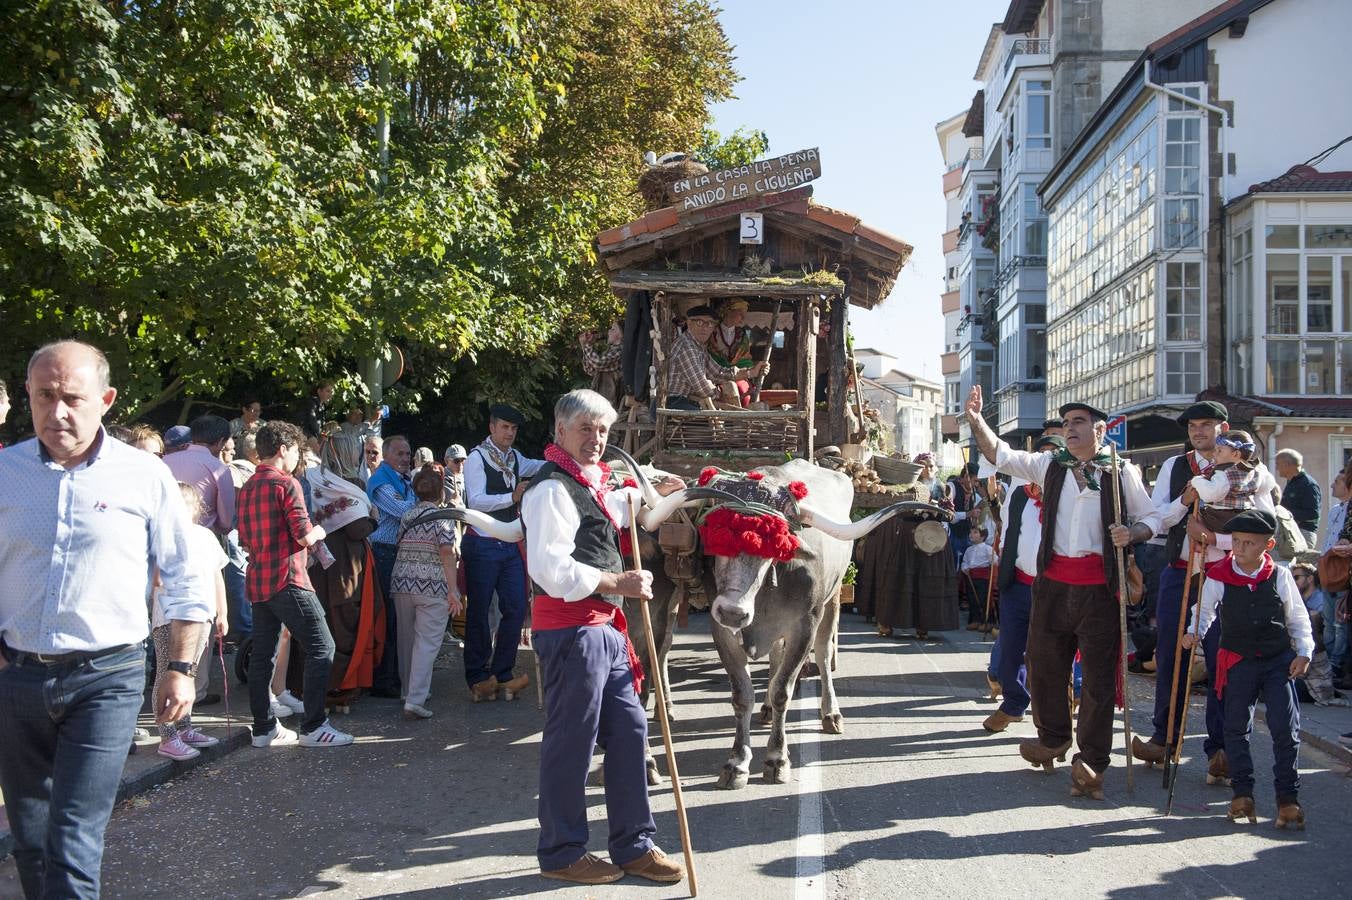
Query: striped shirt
[77, 547]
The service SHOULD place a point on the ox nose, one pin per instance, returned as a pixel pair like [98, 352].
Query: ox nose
[730, 616]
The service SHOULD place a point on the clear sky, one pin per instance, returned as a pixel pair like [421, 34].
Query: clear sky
[867, 81]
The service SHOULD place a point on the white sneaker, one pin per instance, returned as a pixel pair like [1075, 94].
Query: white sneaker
[414, 711]
[325, 736]
[279, 709]
[288, 699]
[280, 734]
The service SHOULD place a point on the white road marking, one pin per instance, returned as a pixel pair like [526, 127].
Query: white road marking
[810, 851]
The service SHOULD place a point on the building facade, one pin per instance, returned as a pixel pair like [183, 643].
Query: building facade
[910, 407]
[1183, 262]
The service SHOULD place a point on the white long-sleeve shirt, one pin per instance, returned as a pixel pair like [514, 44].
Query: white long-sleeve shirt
[1079, 522]
[1293, 608]
[476, 479]
[1030, 526]
[552, 520]
[1172, 511]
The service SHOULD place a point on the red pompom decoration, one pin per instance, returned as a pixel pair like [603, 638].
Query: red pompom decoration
[707, 475]
[726, 532]
[630, 483]
[798, 489]
[755, 476]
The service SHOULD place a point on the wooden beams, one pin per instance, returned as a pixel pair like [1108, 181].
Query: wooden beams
[716, 284]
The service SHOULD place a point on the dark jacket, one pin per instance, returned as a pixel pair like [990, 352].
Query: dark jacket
[1301, 499]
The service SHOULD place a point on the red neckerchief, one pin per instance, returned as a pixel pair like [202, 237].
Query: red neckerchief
[1204, 471]
[1223, 570]
[1034, 493]
[556, 454]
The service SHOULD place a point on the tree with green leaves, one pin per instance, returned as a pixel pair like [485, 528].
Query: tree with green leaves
[199, 189]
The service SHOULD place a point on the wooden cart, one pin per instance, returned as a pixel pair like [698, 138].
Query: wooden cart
[798, 264]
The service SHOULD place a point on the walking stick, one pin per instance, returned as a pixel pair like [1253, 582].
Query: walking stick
[1170, 763]
[661, 703]
[1122, 618]
[1183, 725]
[990, 576]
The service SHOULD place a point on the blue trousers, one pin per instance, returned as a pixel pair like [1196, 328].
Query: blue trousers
[492, 565]
[589, 702]
[1166, 615]
[1016, 605]
[233, 573]
[62, 747]
[1248, 680]
[385, 678]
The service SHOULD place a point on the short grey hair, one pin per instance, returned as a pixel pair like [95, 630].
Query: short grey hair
[101, 370]
[1291, 456]
[374, 439]
[583, 404]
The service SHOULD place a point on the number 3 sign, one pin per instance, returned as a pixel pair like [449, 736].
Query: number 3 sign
[753, 228]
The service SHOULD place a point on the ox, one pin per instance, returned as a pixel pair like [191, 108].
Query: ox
[773, 590]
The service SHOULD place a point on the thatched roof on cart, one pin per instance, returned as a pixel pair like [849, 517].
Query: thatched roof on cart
[807, 247]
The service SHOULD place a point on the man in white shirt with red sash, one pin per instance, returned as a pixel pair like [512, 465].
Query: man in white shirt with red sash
[1076, 608]
[573, 515]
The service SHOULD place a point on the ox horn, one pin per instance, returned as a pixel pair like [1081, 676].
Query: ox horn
[483, 523]
[652, 519]
[650, 496]
[851, 531]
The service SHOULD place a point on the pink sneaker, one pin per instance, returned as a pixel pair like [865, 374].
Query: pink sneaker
[194, 738]
[174, 748]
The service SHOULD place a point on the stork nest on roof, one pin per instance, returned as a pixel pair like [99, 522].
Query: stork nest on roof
[654, 185]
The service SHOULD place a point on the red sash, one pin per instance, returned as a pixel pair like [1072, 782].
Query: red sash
[1076, 569]
[1225, 660]
[552, 613]
[1023, 577]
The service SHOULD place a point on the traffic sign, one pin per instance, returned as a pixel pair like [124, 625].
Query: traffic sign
[1117, 432]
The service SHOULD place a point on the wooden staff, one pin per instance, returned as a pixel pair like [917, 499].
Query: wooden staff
[769, 348]
[1122, 616]
[1183, 725]
[995, 546]
[1170, 767]
[661, 702]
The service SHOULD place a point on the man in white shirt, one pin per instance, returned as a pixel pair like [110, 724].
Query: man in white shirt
[495, 477]
[1076, 583]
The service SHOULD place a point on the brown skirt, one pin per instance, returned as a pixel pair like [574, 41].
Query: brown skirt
[902, 587]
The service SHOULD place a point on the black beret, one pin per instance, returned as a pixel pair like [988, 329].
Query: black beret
[1096, 413]
[1205, 409]
[1251, 521]
[1054, 441]
[1051, 423]
[706, 312]
[506, 413]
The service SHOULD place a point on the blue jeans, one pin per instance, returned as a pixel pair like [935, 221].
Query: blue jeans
[235, 567]
[492, 565]
[62, 748]
[385, 678]
[1335, 632]
[590, 701]
[1166, 616]
[1016, 604]
[299, 610]
[1248, 680]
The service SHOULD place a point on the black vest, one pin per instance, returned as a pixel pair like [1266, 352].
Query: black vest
[1253, 622]
[494, 483]
[962, 501]
[596, 543]
[1179, 476]
[1009, 551]
[1052, 485]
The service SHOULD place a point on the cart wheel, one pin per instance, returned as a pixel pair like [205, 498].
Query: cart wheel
[242, 654]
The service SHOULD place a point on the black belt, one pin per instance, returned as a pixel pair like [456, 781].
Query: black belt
[20, 657]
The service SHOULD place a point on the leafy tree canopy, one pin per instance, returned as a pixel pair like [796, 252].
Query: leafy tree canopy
[199, 188]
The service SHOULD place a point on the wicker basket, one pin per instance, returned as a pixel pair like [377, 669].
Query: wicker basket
[895, 471]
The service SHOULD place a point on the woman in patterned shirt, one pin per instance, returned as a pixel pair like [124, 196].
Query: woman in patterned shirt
[424, 589]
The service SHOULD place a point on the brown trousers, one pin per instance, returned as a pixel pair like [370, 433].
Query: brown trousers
[1066, 618]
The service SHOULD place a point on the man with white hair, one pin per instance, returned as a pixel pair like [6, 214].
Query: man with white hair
[454, 461]
[84, 520]
[1301, 495]
[573, 513]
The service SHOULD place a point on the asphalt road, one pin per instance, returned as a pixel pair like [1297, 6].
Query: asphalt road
[914, 800]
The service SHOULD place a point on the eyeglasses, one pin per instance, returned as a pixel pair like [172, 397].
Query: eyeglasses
[372, 452]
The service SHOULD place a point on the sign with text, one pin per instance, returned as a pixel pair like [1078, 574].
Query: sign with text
[764, 176]
[753, 228]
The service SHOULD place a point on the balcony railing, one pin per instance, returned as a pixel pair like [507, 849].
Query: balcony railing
[1013, 266]
[1026, 47]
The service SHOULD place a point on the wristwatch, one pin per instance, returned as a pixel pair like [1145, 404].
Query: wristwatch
[183, 668]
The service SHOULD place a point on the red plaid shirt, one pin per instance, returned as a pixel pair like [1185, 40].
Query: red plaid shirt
[272, 520]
